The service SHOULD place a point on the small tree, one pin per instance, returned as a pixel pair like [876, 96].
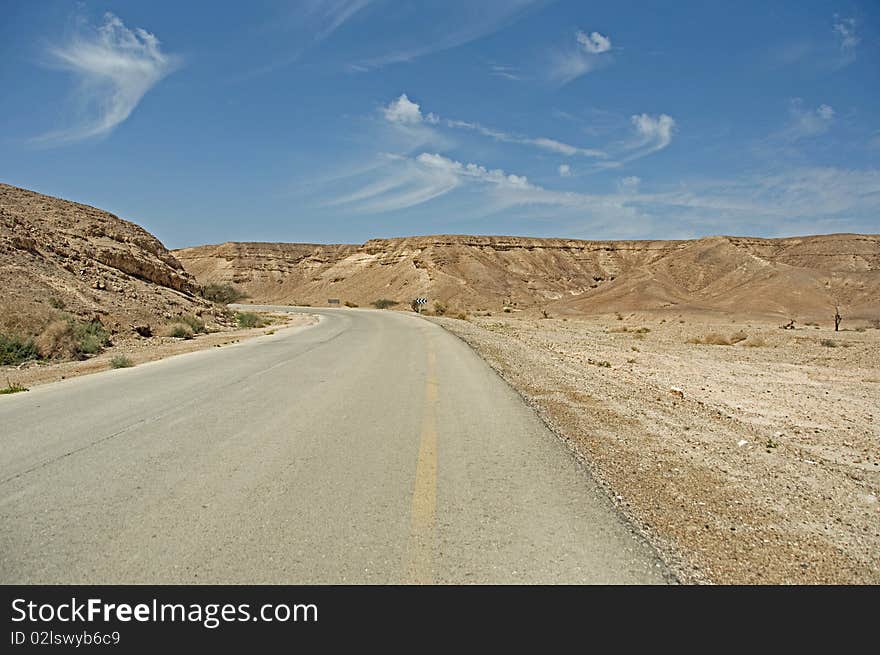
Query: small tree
[837, 318]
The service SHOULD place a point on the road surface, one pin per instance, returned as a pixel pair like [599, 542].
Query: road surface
[373, 447]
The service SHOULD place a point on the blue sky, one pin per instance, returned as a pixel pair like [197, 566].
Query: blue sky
[342, 120]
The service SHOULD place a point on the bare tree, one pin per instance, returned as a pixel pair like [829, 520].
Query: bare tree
[837, 318]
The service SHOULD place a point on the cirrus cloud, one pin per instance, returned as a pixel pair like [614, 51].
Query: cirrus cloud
[115, 67]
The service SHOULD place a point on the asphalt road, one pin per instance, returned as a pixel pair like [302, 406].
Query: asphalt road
[374, 447]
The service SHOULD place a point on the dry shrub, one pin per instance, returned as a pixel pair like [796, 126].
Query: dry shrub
[754, 342]
[736, 337]
[57, 341]
[711, 339]
[178, 331]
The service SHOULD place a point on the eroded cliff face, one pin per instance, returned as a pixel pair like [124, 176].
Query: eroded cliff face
[56, 254]
[798, 277]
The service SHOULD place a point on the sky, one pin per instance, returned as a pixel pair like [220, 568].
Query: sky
[338, 121]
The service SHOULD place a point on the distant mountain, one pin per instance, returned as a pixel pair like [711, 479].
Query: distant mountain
[802, 278]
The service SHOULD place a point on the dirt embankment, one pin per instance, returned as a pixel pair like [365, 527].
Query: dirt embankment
[757, 462]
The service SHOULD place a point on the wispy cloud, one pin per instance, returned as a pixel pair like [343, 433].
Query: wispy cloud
[845, 31]
[507, 72]
[586, 54]
[115, 67]
[805, 123]
[326, 16]
[404, 111]
[799, 199]
[650, 134]
[447, 25]
[564, 170]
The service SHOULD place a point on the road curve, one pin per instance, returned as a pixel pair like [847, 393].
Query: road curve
[373, 447]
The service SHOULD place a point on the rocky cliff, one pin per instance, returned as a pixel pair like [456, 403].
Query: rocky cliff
[795, 277]
[59, 255]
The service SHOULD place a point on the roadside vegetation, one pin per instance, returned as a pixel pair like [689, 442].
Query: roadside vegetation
[384, 303]
[12, 387]
[121, 361]
[223, 294]
[251, 320]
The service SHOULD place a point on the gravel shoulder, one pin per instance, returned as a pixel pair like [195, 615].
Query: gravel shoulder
[141, 350]
[751, 463]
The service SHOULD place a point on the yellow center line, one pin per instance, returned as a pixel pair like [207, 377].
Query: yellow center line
[420, 569]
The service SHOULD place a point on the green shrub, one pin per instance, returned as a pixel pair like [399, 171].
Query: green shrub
[90, 336]
[222, 293]
[121, 361]
[13, 387]
[180, 331]
[250, 320]
[439, 308]
[16, 351]
[383, 303]
[56, 303]
[195, 324]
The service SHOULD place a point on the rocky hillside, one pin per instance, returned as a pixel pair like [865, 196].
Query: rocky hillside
[795, 277]
[61, 259]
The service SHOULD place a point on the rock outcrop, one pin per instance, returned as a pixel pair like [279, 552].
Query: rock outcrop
[58, 255]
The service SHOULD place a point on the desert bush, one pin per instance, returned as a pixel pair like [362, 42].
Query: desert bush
[711, 339]
[507, 310]
[250, 320]
[195, 324]
[121, 361]
[754, 342]
[16, 351]
[56, 303]
[383, 303]
[462, 316]
[348, 303]
[70, 338]
[439, 308]
[222, 294]
[828, 343]
[91, 337]
[180, 331]
[736, 337]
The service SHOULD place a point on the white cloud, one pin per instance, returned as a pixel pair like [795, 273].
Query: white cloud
[115, 67]
[588, 53]
[594, 42]
[848, 40]
[564, 170]
[655, 132]
[404, 110]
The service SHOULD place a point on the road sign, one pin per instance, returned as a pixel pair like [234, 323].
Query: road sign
[332, 301]
[418, 303]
